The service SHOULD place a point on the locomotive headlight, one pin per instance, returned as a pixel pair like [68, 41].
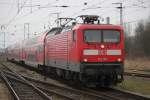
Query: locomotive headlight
[90, 52]
[102, 46]
[119, 59]
[85, 60]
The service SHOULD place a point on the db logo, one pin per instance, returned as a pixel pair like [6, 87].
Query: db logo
[102, 52]
[103, 59]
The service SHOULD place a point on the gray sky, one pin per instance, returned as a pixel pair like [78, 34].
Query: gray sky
[14, 13]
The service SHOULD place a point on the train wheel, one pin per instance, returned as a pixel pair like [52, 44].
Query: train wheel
[67, 75]
[60, 73]
[107, 81]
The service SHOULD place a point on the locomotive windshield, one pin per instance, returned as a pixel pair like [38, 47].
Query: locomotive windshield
[92, 35]
[112, 36]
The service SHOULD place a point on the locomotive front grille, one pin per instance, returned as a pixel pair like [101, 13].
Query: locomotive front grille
[102, 68]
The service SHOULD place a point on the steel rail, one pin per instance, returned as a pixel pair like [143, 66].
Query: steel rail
[131, 94]
[70, 89]
[98, 93]
[56, 93]
[60, 87]
[119, 94]
[101, 93]
[44, 95]
[137, 74]
[16, 97]
[107, 97]
[12, 75]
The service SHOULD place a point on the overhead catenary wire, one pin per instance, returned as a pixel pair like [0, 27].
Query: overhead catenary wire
[97, 3]
[14, 17]
[101, 10]
[11, 20]
[29, 13]
[11, 8]
[48, 4]
[86, 8]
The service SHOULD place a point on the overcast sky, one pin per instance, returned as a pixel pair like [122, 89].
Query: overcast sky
[14, 13]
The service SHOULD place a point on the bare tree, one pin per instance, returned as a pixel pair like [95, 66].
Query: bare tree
[142, 39]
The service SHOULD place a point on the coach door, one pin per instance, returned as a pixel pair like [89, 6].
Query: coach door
[69, 44]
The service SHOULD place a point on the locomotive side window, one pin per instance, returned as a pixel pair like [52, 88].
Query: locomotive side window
[111, 36]
[74, 36]
[92, 35]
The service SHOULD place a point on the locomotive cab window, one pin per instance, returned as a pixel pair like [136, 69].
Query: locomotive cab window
[110, 36]
[92, 35]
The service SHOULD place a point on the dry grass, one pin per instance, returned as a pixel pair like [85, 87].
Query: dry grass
[4, 92]
[137, 64]
[141, 65]
[138, 86]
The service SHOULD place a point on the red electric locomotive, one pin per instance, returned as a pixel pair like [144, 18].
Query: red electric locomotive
[89, 53]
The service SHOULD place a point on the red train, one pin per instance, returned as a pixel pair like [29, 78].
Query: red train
[89, 53]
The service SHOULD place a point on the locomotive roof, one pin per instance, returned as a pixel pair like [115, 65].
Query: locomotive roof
[97, 26]
[55, 28]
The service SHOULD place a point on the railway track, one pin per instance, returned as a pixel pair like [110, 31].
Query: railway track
[82, 93]
[22, 90]
[110, 94]
[18, 78]
[137, 74]
[72, 94]
[107, 94]
[118, 94]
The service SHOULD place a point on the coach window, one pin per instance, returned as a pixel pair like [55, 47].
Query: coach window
[73, 35]
[40, 48]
